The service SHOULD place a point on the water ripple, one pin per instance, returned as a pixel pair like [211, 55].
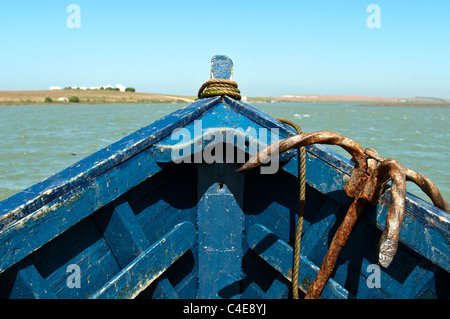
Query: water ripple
[38, 141]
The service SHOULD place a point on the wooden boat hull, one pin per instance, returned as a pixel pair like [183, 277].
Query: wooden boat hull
[128, 222]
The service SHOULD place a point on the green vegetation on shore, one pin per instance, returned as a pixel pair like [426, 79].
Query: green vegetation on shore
[87, 97]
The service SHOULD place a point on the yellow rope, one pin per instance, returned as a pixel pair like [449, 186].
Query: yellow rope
[301, 211]
[219, 87]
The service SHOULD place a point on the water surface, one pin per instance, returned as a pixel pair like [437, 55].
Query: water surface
[37, 141]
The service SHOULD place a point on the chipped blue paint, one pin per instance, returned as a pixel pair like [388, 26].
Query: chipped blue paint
[40, 194]
[216, 126]
[221, 67]
[220, 220]
[148, 266]
[137, 224]
[279, 255]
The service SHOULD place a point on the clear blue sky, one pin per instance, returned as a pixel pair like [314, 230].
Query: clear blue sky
[278, 47]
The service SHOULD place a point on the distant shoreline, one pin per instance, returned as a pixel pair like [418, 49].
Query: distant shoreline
[359, 103]
[87, 97]
[352, 99]
[37, 97]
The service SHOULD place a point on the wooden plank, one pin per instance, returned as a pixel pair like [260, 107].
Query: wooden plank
[425, 229]
[150, 265]
[39, 227]
[80, 254]
[260, 279]
[327, 179]
[165, 200]
[317, 227]
[164, 290]
[331, 157]
[356, 262]
[183, 274]
[40, 194]
[123, 233]
[220, 228]
[259, 117]
[425, 282]
[29, 284]
[270, 198]
[220, 124]
[279, 255]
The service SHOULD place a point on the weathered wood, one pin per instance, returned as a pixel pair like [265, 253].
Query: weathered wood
[40, 194]
[315, 238]
[221, 67]
[149, 265]
[29, 284]
[49, 221]
[79, 255]
[215, 127]
[220, 228]
[164, 290]
[123, 233]
[259, 117]
[165, 200]
[421, 283]
[279, 254]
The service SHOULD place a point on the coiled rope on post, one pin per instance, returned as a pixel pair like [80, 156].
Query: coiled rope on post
[301, 210]
[219, 87]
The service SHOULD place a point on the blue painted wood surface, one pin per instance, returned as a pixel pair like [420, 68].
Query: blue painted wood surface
[140, 273]
[30, 285]
[20, 205]
[220, 219]
[279, 255]
[221, 67]
[123, 233]
[138, 225]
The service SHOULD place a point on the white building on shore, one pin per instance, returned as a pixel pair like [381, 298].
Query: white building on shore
[121, 87]
[108, 86]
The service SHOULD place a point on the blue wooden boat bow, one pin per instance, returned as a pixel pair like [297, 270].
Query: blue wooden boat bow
[162, 213]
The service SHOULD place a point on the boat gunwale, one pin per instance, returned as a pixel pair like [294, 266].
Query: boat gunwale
[135, 143]
[42, 193]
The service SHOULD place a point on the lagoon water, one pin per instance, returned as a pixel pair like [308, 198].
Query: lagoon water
[37, 141]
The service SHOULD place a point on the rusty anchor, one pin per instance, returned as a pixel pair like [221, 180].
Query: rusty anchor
[367, 182]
